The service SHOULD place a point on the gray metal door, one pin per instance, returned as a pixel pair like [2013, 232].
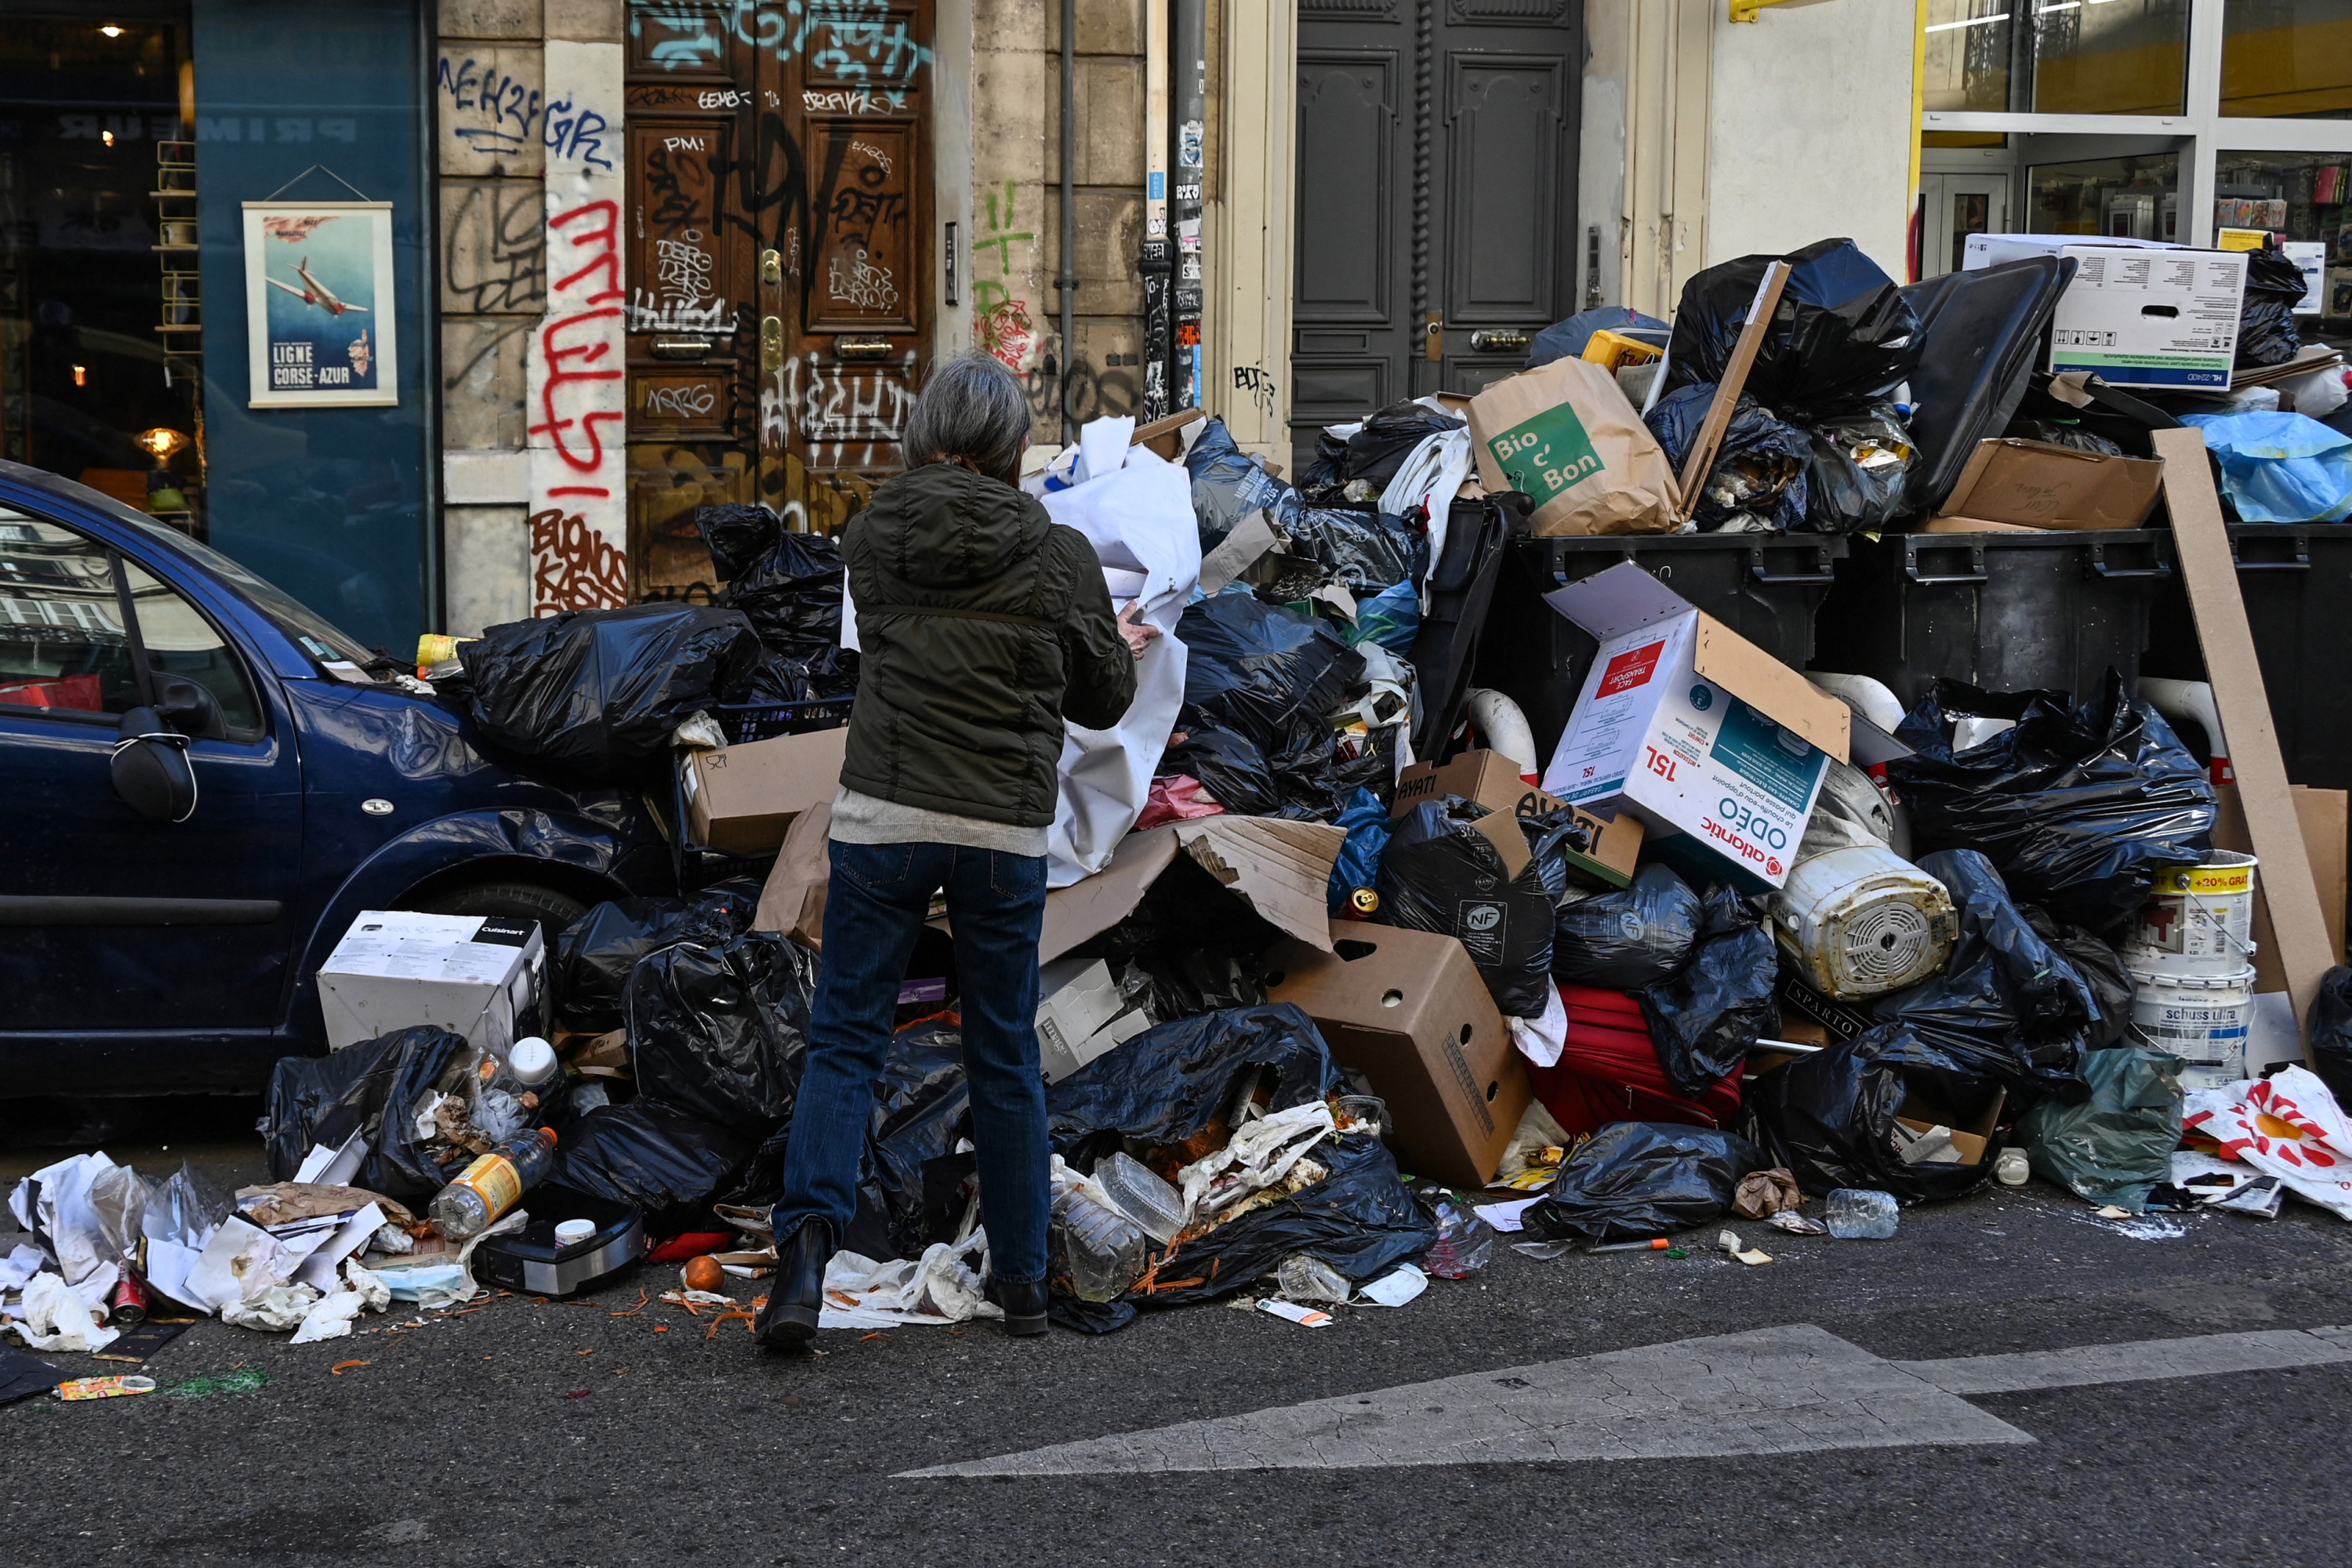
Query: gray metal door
[1436, 197]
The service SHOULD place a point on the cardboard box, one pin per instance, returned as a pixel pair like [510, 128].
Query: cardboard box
[1982, 250]
[1493, 781]
[1719, 747]
[2323, 814]
[479, 976]
[2035, 484]
[1409, 1010]
[741, 799]
[1974, 525]
[2144, 317]
[1972, 1135]
[1279, 868]
[1165, 437]
[1080, 1016]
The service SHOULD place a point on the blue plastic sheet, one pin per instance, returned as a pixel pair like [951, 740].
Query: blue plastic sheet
[2279, 468]
[1390, 618]
[1359, 865]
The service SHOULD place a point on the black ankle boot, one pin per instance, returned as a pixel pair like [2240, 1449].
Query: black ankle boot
[1024, 1306]
[797, 1293]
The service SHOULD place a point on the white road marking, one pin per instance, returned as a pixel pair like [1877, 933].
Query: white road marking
[1789, 1390]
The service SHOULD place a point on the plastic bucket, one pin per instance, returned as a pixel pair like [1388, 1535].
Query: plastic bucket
[2203, 1019]
[2198, 919]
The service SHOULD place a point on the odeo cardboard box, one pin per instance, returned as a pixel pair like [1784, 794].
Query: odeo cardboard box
[1409, 1010]
[1493, 781]
[479, 976]
[1718, 746]
[2139, 313]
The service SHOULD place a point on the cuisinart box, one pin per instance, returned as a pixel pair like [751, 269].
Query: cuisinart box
[2140, 314]
[474, 975]
[1718, 746]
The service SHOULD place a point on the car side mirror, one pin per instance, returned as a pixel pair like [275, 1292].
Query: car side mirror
[189, 707]
[151, 769]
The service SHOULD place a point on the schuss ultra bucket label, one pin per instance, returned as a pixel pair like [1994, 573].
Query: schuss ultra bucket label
[1548, 455]
[1778, 760]
[1480, 925]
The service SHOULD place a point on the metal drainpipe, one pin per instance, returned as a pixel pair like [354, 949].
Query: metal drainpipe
[1066, 282]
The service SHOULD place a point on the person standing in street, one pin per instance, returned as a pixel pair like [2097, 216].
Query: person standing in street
[984, 625]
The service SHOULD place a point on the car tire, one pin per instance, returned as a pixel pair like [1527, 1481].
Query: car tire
[517, 901]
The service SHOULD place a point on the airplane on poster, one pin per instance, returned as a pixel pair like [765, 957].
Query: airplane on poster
[316, 293]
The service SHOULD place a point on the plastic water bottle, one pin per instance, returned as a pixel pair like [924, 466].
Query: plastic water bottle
[1103, 1251]
[1142, 1196]
[1303, 1277]
[493, 1183]
[1860, 1214]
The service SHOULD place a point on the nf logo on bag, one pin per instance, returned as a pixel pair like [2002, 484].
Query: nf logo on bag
[1479, 924]
[1548, 455]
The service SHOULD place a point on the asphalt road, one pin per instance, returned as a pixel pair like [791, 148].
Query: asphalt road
[560, 1433]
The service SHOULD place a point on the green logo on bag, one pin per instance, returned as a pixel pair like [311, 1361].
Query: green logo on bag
[1548, 455]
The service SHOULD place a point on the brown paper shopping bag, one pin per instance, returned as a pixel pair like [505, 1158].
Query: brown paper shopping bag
[1564, 433]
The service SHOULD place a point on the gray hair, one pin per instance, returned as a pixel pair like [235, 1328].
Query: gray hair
[973, 407]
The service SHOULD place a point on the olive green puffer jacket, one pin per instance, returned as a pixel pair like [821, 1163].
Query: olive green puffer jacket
[983, 624]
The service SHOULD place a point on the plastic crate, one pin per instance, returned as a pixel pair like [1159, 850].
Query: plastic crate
[2296, 580]
[1765, 586]
[746, 722]
[2009, 612]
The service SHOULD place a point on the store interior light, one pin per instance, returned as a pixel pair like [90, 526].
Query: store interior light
[111, 31]
[81, 375]
[163, 444]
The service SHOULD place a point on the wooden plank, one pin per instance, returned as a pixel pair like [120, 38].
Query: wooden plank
[2211, 573]
[1701, 456]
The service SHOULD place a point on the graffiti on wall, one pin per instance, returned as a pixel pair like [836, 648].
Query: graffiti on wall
[1001, 323]
[855, 42]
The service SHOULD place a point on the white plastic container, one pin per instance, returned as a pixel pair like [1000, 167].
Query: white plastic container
[1862, 921]
[2203, 1019]
[2198, 919]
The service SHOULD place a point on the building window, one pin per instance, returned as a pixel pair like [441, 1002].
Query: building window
[2112, 198]
[2287, 59]
[2058, 57]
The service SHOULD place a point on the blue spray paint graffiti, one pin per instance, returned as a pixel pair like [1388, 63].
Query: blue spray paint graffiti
[503, 110]
[854, 39]
[579, 137]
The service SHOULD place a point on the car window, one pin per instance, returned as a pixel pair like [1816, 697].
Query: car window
[62, 644]
[319, 637]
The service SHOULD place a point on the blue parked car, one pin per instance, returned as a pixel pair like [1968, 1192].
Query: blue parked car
[202, 782]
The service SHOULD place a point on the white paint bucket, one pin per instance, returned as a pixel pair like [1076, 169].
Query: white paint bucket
[2198, 919]
[2203, 1019]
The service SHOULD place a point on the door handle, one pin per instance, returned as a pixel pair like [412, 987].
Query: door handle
[682, 348]
[771, 268]
[861, 348]
[1433, 343]
[771, 343]
[1493, 342]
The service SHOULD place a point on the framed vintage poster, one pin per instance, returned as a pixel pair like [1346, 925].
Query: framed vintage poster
[319, 304]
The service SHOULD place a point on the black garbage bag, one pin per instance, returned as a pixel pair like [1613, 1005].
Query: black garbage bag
[370, 1088]
[1441, 873]
[1254, 669]
[1228, 484]
[1171, 985]
[824, 677]
[593, 694]
[1829, 1116]
[591, 960]
[1757, 479]
[721, 1029]
[2077, 809]
[790, 584]
[668, 1161]
[2331, 1034]
[1549, 838]
[1842, 337]
[1632, 1180]
[1232, 768]
[922, 1110]
[1363, 551]
[1626, 940]
[1377, 451]
[1322, 471]
[1858, 478]
[2266, 331]
[1173, 1084]
[2007, 1003]
[2070, 434]
[2103, 971]
[1704, 1020]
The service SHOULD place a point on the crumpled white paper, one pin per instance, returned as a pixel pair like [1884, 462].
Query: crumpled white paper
[330, 1316]
[1541, 1040]
[273, 1307]
[54, 1317]
[56, 1202]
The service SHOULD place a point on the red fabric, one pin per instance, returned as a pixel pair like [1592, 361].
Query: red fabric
[77, 692]
[693, 1244]
[1177, 797]
[1610, 1072]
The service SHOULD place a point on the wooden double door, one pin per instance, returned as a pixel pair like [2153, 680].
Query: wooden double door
[780, 263]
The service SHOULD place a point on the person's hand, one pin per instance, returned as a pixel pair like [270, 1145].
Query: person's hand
[1137, 632]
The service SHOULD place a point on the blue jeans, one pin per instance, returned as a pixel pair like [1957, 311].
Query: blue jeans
[880, 897]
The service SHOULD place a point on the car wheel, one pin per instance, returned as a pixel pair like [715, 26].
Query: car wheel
[517, 901]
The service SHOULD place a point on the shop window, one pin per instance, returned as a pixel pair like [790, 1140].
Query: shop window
[2121, 198]
[2287, 59]
[98, 377]
[2305, 200]
[2058, 57]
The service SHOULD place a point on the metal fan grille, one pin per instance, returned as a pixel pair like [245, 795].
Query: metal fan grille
[1886, 945]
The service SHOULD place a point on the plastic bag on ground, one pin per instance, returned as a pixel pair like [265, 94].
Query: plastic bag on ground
[721, 1030]
[1858, 477]
[666, 1161]
[1228, 484]
[373, 1088]
[2116, 1146]
[2279, 468]
[2286, 1125]
[2077, 808]
[2007, 1003]
[1439, 873]
[789, 585]
[1843, 338]
[1704, 1020]
[914, 1180]
[591, 960]
[593, 694]
[2266, 331]
[1632, 1180]
[1758, 482]
[1637, 936]
[1830, 1116]
[1359, 865]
